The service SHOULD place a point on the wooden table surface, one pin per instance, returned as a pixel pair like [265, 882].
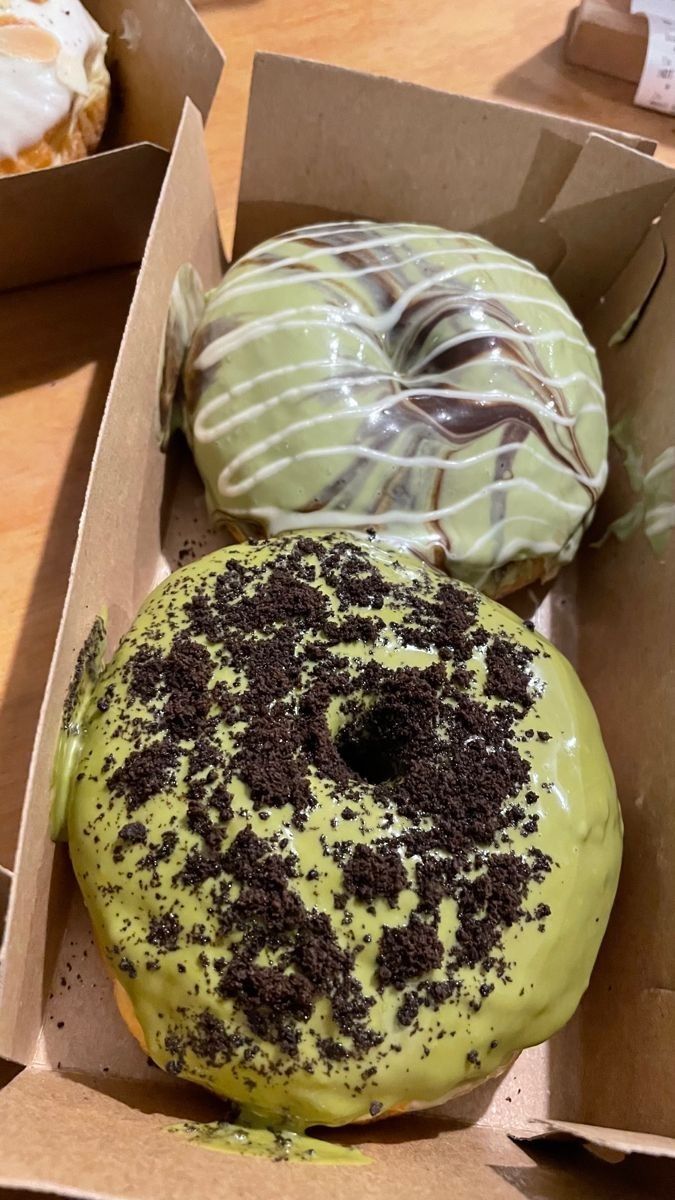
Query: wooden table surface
[52, 390]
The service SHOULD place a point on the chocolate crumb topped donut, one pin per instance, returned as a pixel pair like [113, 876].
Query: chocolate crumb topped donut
[346, 829]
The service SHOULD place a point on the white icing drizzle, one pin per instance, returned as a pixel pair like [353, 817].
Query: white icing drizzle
[244, 289]
[216, 350]
[368, 393]
[382, 324]
[552, 381]
[389, 401]
[356, 323]
[412, 461]
[664, 462]
[511, 335]
[205, 433]
[498, 486]
[337, 250]
[280, 520]
[247, 385]
[420, 233]
[660, 519]
[35, 96]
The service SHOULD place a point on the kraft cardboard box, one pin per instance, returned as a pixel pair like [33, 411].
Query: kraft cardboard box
[598, 213]
[159, 53]
[606, 36]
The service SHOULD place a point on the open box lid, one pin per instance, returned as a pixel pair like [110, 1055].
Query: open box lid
[591, 1074]
[558, 192]
[159, 54]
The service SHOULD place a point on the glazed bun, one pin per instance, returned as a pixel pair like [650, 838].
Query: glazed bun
[54, 84]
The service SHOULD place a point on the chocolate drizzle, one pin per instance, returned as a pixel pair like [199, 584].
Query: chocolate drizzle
[455, 359]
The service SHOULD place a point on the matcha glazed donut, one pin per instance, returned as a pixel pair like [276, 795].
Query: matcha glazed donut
[423, 382]
[346, 830]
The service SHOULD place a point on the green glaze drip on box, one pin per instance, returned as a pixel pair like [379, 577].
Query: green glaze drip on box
[277, 1145]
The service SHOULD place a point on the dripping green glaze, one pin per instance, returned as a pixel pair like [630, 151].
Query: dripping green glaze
[253, 1139]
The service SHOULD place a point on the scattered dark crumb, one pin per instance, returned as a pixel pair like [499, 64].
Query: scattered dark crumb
[443, 767]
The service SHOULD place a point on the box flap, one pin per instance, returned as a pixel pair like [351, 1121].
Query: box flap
[405, 153]
[113, 1141]
[602, 212]
[65, 337]
[159, 55]
[612, 1144]
[112, 567]
[80, 217]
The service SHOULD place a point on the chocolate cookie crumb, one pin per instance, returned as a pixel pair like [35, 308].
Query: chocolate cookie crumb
[370, 873]
[134, 832]
[407, 952]
[164, 931]
[507, 676]
[144, 773]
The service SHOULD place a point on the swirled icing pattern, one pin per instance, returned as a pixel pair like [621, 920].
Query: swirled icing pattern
[421, 382]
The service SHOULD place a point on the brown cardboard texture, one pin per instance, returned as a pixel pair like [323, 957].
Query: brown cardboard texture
[90, 215]
[159, 53]
[605, 36]
[81, 320]
[411, 154]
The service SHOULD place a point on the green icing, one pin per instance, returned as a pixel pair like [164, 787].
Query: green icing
[654, 508]
[73, 724]
[279, 1145]
[186, 306]
[623, 436]
[549, 966]
[400, 376]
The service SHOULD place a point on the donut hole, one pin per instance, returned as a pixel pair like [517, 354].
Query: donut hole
[371, 747]
[395, 728]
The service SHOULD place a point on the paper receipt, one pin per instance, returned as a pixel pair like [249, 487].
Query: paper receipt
[656, 88]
